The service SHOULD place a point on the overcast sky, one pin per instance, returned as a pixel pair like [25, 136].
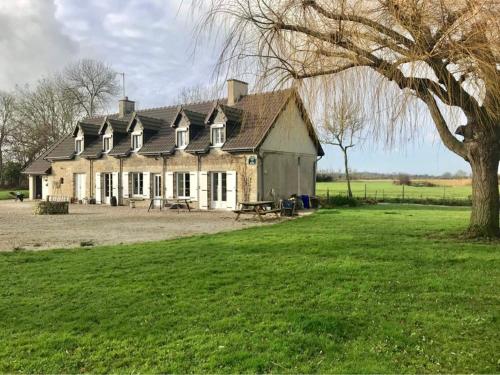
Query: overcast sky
[152, 42]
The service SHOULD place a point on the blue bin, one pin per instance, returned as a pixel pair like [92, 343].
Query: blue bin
[305, 201]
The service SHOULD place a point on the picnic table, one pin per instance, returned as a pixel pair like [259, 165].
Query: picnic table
[164, 202]
[257, 208]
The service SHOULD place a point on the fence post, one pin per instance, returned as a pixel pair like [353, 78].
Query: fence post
[403, 192]
[444, 192]
[327, 194]
[365, 191]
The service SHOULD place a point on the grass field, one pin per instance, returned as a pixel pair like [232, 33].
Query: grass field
[387, 189]
[4, 194]
[375, 289]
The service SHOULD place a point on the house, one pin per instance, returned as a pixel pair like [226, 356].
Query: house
[216, 153]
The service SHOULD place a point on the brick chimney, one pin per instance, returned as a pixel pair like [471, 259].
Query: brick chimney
[235, 91]
[125, 106]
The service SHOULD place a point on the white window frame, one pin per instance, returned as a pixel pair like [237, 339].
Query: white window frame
[140, 142]
[214, 127]
[110, 138]
[180, 130]
[79, 139]
[140, 189]
[181, 176]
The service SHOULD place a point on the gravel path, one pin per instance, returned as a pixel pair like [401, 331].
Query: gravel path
[20, 229]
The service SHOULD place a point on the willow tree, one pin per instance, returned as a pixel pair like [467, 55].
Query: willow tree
[441, 53]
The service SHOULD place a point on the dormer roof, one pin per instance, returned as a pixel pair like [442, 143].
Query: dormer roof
[148, 123]
[118, 126]
[192, 117]
[86, 128]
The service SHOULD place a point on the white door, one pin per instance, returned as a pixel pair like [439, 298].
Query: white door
[80, 182]
[157, 186]
[108, 187]
[218, 190]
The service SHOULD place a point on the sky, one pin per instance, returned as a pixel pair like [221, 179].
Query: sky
[152, 42]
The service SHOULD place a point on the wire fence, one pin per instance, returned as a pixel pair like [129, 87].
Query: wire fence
[401, 193]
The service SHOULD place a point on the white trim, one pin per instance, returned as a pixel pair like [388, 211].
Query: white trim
[79, 139]
[110, 137]
[217, 126]
[178, 130]
[141, 140]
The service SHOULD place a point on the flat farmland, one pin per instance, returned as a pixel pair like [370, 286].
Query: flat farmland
[443, 189]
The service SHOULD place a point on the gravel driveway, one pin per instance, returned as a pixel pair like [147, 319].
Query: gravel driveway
[20, 229]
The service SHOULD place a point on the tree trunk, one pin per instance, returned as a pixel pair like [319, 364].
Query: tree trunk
[347, 177]
[484, 160]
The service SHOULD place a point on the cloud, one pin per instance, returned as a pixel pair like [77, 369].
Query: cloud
[31, 41]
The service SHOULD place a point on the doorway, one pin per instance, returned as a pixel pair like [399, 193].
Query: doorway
[108, 187]
[37, 193]
[219, 190]
[80, 180]
[157, 194]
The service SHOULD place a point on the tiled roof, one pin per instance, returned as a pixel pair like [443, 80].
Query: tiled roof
[40, 165]
[92, 148]
[249, 121]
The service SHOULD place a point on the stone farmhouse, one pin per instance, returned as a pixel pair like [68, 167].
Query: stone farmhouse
[215, 153]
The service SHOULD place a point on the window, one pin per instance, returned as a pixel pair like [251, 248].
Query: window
[136, 141]
[137, 183]
[107, 144]
[183, 185]
[79, 146]
[182, 138]
[218, 135]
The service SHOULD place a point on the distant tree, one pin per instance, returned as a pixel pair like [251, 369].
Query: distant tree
[461, 174]
[7, 111]
[43, 115]
[90, 84]
[197, 93]
[404, 179]
[342, 126]
[12, 174]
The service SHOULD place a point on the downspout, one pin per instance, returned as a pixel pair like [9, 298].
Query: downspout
[318, 158]
[164, 176]
[120, 183]
[260, 165]
[198, 188]
[91, 190]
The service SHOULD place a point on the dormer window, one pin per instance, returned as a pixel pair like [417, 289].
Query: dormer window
[218, 135]
[107, 143]
[136, 141]
[182, 138]
[78, 145]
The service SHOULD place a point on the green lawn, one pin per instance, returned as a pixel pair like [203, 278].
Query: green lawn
[375, 289]
[4, 194]
[386, 188]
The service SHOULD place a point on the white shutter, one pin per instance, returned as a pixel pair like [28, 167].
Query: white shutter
[116, 177]
[193, 186]
[231, 190]
[98, 188]
[146, 187]
[125, 185]
[203, 191]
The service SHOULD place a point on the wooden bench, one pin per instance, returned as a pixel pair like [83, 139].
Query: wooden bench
[260, 209]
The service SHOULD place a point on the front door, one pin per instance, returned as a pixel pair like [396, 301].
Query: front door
[218, 190]
[38, 187]
[108, 187]
[157, 189]
[80, 186]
